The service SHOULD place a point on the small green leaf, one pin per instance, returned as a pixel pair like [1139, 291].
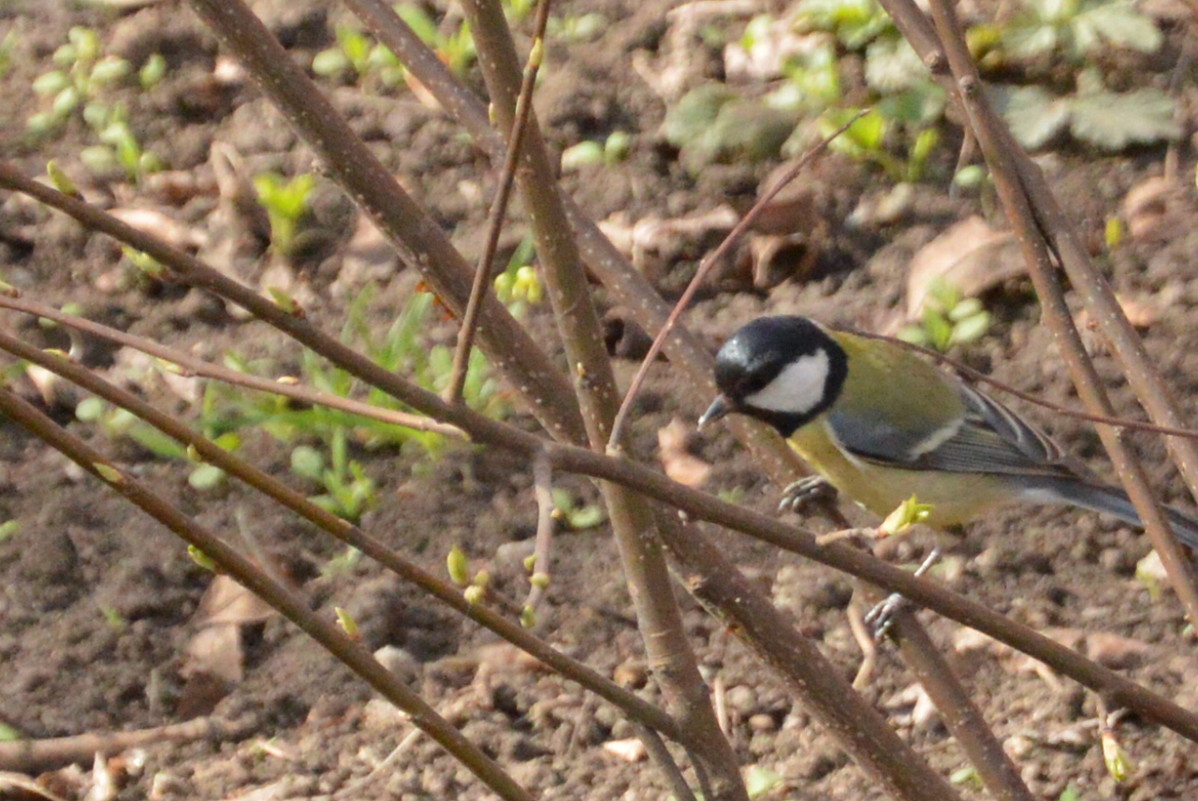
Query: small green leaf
[152, 72]
[308, 462]
[1070, 793]
[110, 69]
[109, 473]
[1035, 115]
[938, 330]
[971, 328]
[759, 780]
[329, 63]
[581, 155]
[66, 101]
[909, 513]
[51, 83]
[206, 477]
[1114, 121]
[8, 530]
[967, 307]
[1118, 23]
[347, 623]
[420, 22]
[1117, 762]
[458, 566]
[200, 558]
[90, 410]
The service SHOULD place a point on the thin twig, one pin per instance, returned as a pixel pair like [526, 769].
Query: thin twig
[39, 756]
[665, 763]
[957, 709]
[806, 672]
[699, 506]
[705, 267]
[405, 223]
[283, 386]
[542, 476]
[628, 286]
[1044, 234]
[321, 629]
[461, 355]
[354, 790]
[867, 644]
[632, 705]
[632, 518]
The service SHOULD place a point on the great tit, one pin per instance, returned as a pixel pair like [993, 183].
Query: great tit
[881, 425]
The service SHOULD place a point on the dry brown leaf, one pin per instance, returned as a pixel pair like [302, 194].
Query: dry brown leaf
[970, 256]
[1115, 652]
[679, 463]
[161, 225]
[13, 783]
[215, 651]
[1157, 210]
[226, 601]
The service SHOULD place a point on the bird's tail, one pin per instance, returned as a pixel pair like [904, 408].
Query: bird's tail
[1114, 502]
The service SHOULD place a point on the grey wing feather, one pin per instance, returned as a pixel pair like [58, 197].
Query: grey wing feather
[990, 438]
[875, 438]
[1029, 440]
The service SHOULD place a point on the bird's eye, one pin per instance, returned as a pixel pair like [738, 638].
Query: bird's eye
[750, 385]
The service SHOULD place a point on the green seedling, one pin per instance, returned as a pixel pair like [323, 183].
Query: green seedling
[612, 151]
[759, 781]
[359, 56]
[1078, 29]
[900, 132]
[583, 28]
[455, 48]
[967, 776]
[1093, 115]
[948, 319]
[83, 73]
[349, 492]
[7, 46]
[113, 618]
[9, 529]
[1070, 793]
[152, 72]
[577, 516]
[118, 148]
[854, 22]
[202, 559]
[287, 205]
[341, 564]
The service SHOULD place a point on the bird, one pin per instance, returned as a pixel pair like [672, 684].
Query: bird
[881, 425]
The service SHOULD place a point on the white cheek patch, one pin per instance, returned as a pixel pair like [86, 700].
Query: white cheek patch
[797, 389]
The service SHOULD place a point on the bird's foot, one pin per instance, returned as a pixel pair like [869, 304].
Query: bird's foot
[881, 618]
[801, 494]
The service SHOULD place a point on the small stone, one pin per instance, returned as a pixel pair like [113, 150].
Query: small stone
[762, 722]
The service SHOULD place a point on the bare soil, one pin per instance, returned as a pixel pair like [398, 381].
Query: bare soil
[98, 601]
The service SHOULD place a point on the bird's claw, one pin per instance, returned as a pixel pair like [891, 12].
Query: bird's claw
[800, 494]
[881, 618]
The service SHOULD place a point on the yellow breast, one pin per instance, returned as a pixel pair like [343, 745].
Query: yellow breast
[956, 497]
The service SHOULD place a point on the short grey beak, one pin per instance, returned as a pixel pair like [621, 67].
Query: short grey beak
[718, 408]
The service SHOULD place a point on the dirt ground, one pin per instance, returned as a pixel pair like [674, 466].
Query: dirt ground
[98, 603]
